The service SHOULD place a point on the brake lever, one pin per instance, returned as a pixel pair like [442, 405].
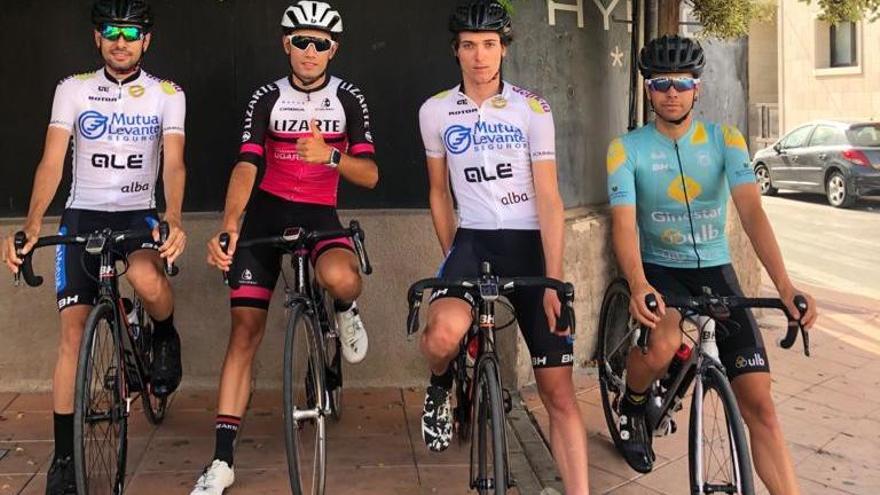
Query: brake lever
[164, 232]
[412, 320]
[360, 247]
[26, 270]
[567, 316]
[645, 331]
[801, 303]
[796, 325]
[224, 240]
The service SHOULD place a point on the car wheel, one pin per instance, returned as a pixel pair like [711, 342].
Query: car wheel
[764, 182]
[837, 191]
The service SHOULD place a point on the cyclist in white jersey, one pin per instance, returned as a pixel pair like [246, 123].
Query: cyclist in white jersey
[121, 120]
[495, 142]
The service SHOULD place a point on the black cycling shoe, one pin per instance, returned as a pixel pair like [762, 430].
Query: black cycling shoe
[166, 371]
[636, 440]
[61, 479]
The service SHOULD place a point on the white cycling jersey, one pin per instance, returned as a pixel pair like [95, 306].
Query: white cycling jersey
[117, 129]
[489, 151]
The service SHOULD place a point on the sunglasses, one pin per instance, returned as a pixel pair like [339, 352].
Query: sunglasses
[130, 33]
[681, 84]
[303, 42]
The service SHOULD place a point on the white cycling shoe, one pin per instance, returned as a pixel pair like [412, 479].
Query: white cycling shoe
[352, 335]
[215, 479]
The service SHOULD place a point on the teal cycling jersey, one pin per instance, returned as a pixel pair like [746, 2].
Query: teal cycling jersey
[680, 190]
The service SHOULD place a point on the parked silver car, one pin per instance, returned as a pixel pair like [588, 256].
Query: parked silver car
[838, 159]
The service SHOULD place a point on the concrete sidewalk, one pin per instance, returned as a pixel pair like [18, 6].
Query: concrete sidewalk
[829, 405]
[376, 447]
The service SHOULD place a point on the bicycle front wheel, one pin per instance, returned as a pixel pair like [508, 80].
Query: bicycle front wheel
[100, 417]
[491, 448]
[718, 454]
[304, 403]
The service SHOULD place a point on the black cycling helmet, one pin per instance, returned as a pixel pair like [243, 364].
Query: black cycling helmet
[481, 15]
[122, 11]
[670, 54]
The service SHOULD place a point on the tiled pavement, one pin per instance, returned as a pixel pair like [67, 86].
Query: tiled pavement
[829, 405]
[375, 448]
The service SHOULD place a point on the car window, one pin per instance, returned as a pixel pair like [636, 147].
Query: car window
[827, 136]
[797, 137]
[864, 135]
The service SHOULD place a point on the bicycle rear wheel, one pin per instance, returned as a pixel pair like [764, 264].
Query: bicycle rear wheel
[616, 328]
[154, 407]
[718, 453]
[332, 357]
[304, 402]
[100, 417]
[490, 442]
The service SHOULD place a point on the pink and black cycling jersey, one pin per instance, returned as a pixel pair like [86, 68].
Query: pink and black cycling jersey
[279, 114]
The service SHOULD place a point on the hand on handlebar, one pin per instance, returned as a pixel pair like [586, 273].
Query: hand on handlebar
[13, 256]
[553, 310]
[217, 255]
[639, 309]
[806, 318]
[175, 242]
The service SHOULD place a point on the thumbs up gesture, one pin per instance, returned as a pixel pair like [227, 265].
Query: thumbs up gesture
[313, 149]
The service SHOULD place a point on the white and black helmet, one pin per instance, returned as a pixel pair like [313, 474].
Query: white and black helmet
[310, 14]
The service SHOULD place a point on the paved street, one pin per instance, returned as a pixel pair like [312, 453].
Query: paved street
[828, 247]
[376, 447]
[829, 403]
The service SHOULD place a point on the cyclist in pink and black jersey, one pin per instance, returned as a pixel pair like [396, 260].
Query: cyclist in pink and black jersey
[305, 131]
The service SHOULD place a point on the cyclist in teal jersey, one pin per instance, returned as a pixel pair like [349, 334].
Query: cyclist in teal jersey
[669, 183]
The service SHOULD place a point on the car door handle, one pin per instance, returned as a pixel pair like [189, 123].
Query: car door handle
[794, 158]
[823, 156]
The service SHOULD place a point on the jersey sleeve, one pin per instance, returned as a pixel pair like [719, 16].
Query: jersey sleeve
[621, 175]
[64, 104]
[430, 124]
[542, 133]
[256, 123]
[174, 111]
[357, 121]
[737, 165]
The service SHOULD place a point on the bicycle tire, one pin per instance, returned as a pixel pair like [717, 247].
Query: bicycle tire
[489, 432]
[97, 401]
[714, 380]
[612, 368]
[302, 346]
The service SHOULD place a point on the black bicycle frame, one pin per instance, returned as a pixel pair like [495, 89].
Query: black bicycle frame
[101, 243]
[716, 308]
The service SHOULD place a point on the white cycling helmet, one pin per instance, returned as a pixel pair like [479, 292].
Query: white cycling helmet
[309, 14]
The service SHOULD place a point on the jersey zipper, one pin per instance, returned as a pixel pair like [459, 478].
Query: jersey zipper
[687, 203]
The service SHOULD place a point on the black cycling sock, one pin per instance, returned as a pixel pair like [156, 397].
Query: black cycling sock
[342, 306]
[163, 329]
[634, 402]
[444, 380]
[226, 430]
[63, 435]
